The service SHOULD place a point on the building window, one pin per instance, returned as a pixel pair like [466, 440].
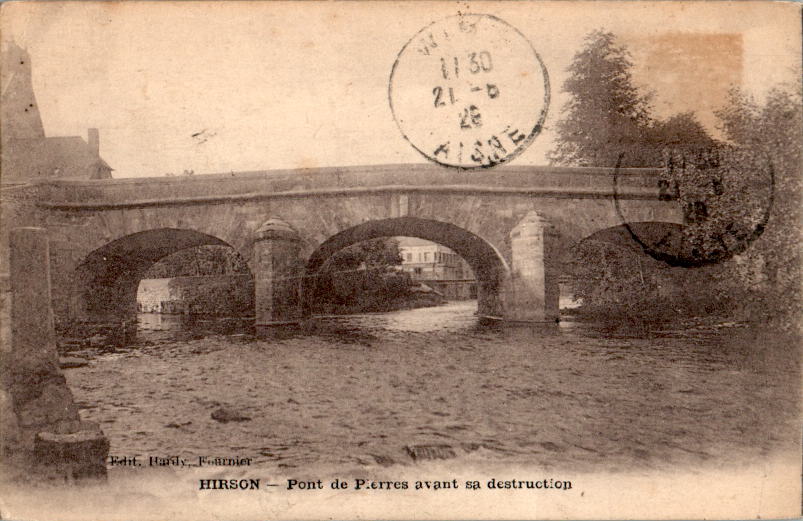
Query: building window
[426, 256]
[409, 257]
[417, 271]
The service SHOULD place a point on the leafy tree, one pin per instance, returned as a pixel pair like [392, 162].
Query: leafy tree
[199, 261]
[608, 118]
[378, 253]
[617, 282]
[606, 115]
[680, 133]
[362, 277]
[743, 209]
[769, 135]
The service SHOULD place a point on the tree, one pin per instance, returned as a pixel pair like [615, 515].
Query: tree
[199, 261]
[606, 115]
[362, 277]
[378, 254]
[681, 132]
[606, 122]
[770, 135]
[615, 282]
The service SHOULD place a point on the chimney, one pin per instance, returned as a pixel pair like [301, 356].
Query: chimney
[94, 140]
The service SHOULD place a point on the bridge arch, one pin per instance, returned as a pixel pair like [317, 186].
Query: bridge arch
[624, 250]
[642, 237]
[105, 282]
[488, 265]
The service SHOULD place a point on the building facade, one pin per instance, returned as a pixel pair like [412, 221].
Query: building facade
[27, 154]
[438, 267]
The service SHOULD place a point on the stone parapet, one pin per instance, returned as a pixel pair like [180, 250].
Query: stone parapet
[639, 183]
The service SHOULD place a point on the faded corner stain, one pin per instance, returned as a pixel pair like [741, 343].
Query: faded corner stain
[306, 163]
[710, 63]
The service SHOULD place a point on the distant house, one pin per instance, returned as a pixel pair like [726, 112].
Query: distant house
[27, 154]
[438, 267]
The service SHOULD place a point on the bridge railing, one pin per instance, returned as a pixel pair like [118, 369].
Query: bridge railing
[364, 178]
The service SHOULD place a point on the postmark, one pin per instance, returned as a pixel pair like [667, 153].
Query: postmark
[726, 202]
[469, 91]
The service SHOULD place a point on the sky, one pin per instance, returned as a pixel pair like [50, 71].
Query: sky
[237, 86]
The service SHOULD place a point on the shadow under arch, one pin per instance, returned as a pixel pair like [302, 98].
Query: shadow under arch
[652, 235]
[105, 282]
[489, 267]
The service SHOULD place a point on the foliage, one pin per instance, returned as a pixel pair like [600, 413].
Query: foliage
[679, 133]
[608, 117]
[752, 256]
[363, 277]
[615, 282]
[221, 297]
[197, 262]
[769, 135]
[606, 114]
[743, 205]
[371, 254]
[726, 195]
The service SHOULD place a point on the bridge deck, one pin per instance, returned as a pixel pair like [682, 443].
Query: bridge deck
[244, 186]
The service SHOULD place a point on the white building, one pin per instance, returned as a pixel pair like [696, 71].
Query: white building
[438, 267]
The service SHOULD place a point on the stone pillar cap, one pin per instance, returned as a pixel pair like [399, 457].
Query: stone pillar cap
[276, 229]
[534, 218]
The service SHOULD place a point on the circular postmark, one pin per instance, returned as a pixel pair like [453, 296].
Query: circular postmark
[726, 197]
[469, 91]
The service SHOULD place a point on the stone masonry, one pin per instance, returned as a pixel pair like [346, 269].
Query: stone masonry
[104, 235]
[42, 433]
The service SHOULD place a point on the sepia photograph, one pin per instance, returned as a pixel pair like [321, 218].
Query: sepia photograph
[400, 260]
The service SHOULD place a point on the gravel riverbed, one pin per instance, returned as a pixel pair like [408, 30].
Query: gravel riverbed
[366, 390]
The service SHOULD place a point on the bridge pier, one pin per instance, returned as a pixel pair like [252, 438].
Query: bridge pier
[277, 278]
[532, 293]
[43, 434]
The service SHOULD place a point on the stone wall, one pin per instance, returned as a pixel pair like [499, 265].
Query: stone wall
[41, 432]
[5, 312]
[222, 295]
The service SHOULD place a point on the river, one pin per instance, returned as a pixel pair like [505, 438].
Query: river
[365, 389]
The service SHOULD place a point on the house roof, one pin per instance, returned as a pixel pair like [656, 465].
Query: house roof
[413, 241]
[62, 157]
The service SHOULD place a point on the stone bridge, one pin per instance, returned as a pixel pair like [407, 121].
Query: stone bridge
[513, 224]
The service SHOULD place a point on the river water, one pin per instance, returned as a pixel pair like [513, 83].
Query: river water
[366, 390]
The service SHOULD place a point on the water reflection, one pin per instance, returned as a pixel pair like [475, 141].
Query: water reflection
[158, 327]
[454, 316]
